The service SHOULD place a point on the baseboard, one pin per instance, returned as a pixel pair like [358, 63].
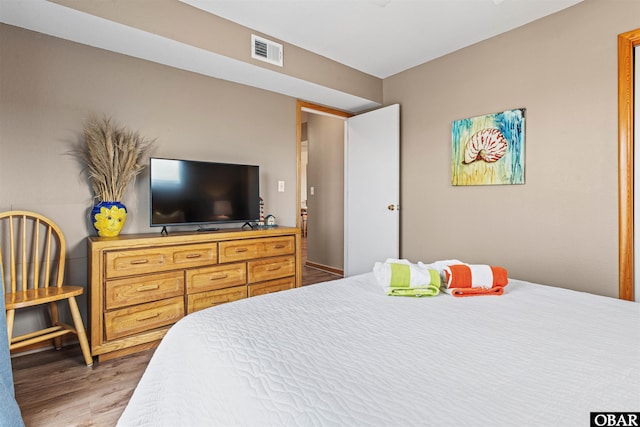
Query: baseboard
[326, 268]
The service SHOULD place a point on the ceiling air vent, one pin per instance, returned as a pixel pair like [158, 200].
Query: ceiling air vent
[266, 50]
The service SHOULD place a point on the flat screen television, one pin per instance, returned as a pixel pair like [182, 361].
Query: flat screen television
[189, 192]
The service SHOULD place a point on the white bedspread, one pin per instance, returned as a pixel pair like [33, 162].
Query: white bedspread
[343, 353]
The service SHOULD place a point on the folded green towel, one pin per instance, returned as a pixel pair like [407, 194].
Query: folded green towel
[427, 291]
[403, 279]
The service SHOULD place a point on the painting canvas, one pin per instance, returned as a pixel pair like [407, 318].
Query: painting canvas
[489, 149]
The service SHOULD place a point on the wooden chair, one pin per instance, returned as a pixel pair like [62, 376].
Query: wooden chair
[32, 262]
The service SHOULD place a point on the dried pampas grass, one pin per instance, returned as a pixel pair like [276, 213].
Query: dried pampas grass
[114, 156]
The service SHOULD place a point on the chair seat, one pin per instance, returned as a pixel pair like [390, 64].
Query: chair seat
[38, 296]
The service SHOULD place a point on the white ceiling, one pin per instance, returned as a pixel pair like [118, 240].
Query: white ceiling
[382, 37]
[378, 37]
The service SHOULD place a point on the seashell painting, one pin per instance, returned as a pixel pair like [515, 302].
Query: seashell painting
[489, 149]
[486, 144]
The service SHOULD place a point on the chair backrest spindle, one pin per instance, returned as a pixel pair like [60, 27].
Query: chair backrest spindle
[48, 258]
[62, 255]
[36, 253]
[25, 276]
[12, 255]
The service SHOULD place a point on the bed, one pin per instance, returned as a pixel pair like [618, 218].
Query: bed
[344, 353]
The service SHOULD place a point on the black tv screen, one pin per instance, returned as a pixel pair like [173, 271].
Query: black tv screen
[187, 192]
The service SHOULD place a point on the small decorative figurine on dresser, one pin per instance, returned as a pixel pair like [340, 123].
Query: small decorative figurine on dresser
[261, 221]
[270, 221]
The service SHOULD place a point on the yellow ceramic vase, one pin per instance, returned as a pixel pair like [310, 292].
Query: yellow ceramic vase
[109, 218]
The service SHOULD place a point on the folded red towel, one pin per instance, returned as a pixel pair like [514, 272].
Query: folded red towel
[471, 280]
[472, 292]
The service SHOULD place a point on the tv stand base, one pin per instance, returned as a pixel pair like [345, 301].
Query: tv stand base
[207, 230]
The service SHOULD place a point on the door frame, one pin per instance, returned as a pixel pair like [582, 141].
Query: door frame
[626, 45]
[314, 109]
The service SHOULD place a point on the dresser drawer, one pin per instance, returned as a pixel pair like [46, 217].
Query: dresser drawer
[136, 290]
[151, 260]
[240, 250]
[143, 317]
[274, 246]
[211, 278]
[208, 299]
[125, 263]
[271, 268]
[195, 255]
[271, 286]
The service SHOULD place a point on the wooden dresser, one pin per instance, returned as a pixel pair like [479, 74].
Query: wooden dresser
[141, 284]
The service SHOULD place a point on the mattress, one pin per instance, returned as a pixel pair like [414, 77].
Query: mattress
[343, 353]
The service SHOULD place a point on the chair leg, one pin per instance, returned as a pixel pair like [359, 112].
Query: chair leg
[82, 336]
[55, 321]
[11, 314]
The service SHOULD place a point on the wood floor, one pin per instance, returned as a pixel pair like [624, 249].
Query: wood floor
[55, 389]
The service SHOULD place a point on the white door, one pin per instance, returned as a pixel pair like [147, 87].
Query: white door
[372, 189]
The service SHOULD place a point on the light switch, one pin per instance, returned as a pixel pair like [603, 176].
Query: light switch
[312, 190]
[280, 186]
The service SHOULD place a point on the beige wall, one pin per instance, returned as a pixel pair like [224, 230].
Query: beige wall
[325, 172]
[48, 86]
[560, 227]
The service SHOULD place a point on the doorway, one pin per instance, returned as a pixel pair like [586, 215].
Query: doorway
[370, 167]
[320, 186]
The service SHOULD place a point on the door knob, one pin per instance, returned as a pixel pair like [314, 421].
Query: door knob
[391, 207]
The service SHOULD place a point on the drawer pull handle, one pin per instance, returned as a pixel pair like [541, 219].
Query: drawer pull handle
[239, 250]
[147, 288]
[278, 246]
[219, 276]
[190, 256]
[151, 316]
[139, 261]
[274, 268]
